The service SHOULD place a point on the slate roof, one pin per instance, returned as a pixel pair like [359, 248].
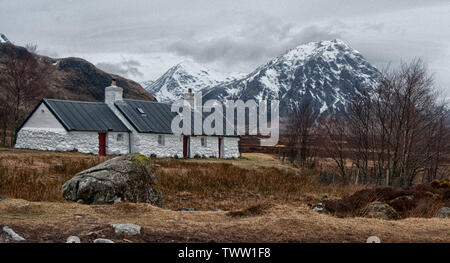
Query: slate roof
[85, 116]
[156, 117]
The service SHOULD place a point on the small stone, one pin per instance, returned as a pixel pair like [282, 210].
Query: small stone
[319, 208]
[117, 200]
[216, 210]
[13, 234]
[127, 229]
[26, 205]
[73, 239]
[186, 209]
[444, 212]
[3, 198]
[103, 240]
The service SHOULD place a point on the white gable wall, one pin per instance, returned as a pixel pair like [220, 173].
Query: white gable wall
[43, 118]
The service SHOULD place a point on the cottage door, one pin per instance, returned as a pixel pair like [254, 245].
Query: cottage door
[220, 147]
[185, 146]
[102, 143]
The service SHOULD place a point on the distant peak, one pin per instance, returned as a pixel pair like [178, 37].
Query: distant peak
[338, 41]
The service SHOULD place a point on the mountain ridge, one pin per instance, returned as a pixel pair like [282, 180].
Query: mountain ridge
[325, 72]
[75, 78]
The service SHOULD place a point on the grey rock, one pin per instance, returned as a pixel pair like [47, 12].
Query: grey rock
[103, 240]
[73, 239]
[444, 212]
[127, 229]
[186, 209]
[319, 208]
[12, 234]
[381, 210]
[216, 210]
[3, 198]
[125, 178]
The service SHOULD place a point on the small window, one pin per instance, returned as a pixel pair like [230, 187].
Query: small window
[204, 142]
[119, 137]
[161, 140]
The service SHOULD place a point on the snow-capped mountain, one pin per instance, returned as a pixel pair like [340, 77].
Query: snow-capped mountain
[325, 72]
[4, 39]
[174, 84]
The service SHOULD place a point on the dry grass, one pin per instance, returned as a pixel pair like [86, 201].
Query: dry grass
[250, 211]
[204, 184]
[237, 184]
[264, 201]
[38, 176]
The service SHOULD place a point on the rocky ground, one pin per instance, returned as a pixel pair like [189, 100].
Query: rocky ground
[56, 221]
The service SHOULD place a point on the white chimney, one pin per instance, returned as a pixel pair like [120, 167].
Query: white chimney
[113, 93]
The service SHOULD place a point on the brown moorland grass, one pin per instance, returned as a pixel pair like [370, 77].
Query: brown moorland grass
[264, 201]
[38, 176]
[203, 184]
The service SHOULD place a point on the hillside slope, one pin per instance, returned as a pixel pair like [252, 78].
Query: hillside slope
[77, 79]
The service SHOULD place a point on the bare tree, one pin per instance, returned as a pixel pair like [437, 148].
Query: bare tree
[300, 132]
[394, 132]
[333, 133]
[32, 48]
[22, 81]
[4, 120]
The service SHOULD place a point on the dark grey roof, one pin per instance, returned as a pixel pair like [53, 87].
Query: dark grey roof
[85, 116]
[157, 117]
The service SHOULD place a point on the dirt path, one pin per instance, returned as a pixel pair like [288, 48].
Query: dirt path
[54, 222]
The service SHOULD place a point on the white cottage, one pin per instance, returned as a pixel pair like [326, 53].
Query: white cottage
[117, 126]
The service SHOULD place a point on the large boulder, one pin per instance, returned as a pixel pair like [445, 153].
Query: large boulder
[381, 210]
[125, 178]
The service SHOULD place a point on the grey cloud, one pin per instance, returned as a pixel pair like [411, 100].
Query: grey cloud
[253, 44]
[235, 35]
[127, 67]
[374, 26]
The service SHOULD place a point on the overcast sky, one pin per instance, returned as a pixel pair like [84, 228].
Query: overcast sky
[142, 39]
